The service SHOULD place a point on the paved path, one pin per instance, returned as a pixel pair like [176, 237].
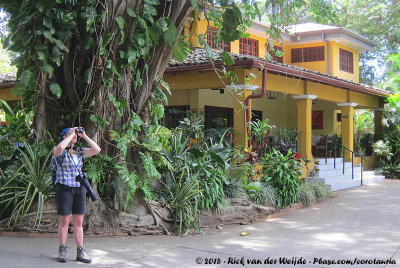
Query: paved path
[362, 223]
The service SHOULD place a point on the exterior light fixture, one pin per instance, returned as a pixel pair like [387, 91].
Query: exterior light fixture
[221, 90]
[272, 95]
[314, 101]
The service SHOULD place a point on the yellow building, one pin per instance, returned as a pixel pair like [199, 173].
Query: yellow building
[313, 87]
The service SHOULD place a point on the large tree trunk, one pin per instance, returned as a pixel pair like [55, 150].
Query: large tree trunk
[80, 101]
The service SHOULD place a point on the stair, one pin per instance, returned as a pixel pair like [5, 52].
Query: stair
[335, 178]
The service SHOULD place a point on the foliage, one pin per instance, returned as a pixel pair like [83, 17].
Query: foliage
[184, 202]
[13, 133]
[5, 61]
[285, 139]
[234, 189]
[306, 194]
[101, 169]
[363, 125]
[356, 16]
[30, 184]
[262, 194]
[283, 172]
[383, 151]
[260, 131]
[334, 143]
[366, 143]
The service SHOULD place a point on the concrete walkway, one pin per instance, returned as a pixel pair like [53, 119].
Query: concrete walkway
[361, 224]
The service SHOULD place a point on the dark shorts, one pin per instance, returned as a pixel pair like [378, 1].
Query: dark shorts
[70, 200]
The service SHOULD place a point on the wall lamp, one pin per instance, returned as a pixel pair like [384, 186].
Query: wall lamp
[221, 90]
[272, 95]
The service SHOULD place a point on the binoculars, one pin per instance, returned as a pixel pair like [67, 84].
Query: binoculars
[79, 130]
[82, 179]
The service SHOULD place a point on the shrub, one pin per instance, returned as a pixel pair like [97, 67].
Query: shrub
[283, 172]
[306, 194]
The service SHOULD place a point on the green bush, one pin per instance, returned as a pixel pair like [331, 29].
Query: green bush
[29, 185]
[283, 173]
[311, 190]
[306, 194]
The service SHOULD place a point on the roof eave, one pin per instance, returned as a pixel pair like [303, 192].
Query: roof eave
[280, 70]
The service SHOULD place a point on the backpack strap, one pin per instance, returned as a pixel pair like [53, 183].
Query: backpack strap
[55, 162]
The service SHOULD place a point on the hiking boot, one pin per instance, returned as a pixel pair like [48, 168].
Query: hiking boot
[82, 256]
[62, 253]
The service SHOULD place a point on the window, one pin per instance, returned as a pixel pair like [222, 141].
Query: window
[217, 117]
[346, 60]
[212, 40]
[174, 114]
[248, 46]
[308, 54]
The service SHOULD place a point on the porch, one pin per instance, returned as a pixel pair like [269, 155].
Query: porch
[311, 103]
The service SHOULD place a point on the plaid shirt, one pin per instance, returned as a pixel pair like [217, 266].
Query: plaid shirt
[66, 169]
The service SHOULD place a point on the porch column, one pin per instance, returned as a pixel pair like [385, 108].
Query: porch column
[304, 108]
[195, 101]
[239, 118]
[347, 127]
[378, 116]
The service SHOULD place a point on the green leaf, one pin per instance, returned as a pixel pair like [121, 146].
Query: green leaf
[27, 78]
[170, 35]
[158, 111]
[206, 46]
[56, 90]
[47, 68]
[181, 50]
[131, 12]
[166, 86]
[47, 22]
[98, 120]
[159, 132]
[121, 22]
[152, 144]
[6, 108]
[226, 59]
[87, 77]
[61, 45]
[89, 44]
[18, 90]
[41, 5]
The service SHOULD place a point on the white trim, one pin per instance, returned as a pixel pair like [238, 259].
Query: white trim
[347, 104]
[242, 87]
[378, 109]
[299, 97]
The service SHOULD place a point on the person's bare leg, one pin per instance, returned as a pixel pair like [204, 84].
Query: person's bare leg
[77, 220]
[78, 234]
[62, 237]
[63, 229]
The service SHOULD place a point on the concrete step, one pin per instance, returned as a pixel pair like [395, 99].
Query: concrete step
[344, 181]
[332, 166]
[338, 171]
[330, 160]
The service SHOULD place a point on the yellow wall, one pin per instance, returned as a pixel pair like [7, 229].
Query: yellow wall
[335, 63]
[320, 66]
[200, 27]
[5, 94]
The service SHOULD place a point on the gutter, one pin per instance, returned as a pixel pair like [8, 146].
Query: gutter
[8, 85]
[247, 104]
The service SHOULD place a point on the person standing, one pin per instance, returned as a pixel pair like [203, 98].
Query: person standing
[70, 195]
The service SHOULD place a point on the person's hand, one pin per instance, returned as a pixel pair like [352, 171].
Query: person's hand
[80, 134]
[71, 132]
